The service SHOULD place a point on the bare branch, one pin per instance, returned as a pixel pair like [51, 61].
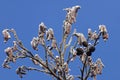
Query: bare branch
[56, 65]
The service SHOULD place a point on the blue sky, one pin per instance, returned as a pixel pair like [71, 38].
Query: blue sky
[25, 15]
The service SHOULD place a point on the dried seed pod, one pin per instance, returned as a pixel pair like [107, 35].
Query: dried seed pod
[80, 51]
[90, 60]
[6, 35]
[100, 66]
[9, 52]
[71, 14]
[6, 66]
[102, 28]
[66, 69]
[6, 63]
[89, 33]
[99, 61]
[93, 71]
[81, 39]
[34, 43]
[50, 34]
[53, 44]
[105, 36]
[67, 27]
[74, 11]
[41, 40]
[20, 71]
[42, 28]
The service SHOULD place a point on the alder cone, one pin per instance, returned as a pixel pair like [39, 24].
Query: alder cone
[79, 51]
[89, 53]
[92, 49]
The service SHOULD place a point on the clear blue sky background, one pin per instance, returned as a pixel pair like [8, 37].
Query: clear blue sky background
[25, 15]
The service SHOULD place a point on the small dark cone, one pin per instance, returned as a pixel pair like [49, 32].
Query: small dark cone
[79, 51]
[92, 48]
[89, 53]
[85, 44]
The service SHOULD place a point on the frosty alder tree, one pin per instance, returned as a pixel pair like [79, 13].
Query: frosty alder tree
[58, 66]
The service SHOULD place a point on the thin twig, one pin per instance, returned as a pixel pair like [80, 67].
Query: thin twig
[83, 68]
[69, 58]
[51, 72]
[95, 43]
[46, 57]
[35, 69]
[31, 55]
[87, 75]
[19, 43]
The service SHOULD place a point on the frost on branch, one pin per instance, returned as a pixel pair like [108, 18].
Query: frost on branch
[55, 63]
[6, 35]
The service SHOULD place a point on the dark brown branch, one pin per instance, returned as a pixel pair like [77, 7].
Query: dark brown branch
[19, 43]
[51, 72]
[83, 68]
[87, 75]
